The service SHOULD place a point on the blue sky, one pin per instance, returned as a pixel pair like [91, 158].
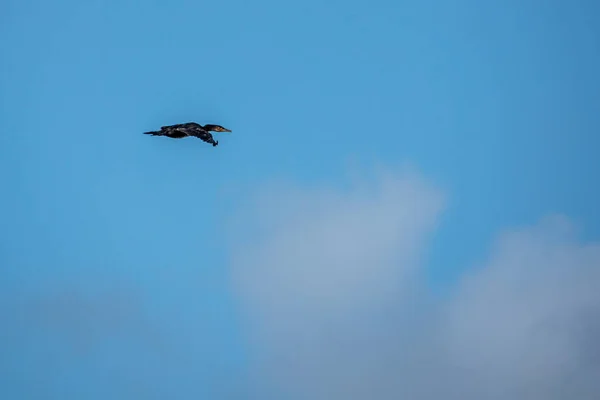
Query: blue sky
[495, 104]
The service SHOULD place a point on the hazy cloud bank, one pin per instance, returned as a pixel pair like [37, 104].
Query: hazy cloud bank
[330, 284]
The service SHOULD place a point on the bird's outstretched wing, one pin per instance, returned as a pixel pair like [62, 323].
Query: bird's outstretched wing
[196, 130]
[206, 137]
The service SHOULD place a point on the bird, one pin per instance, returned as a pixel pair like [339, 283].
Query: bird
[179, 131]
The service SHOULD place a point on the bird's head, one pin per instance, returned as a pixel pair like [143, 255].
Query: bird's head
[215, 128]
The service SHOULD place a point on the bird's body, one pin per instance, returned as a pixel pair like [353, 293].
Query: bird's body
[180, 131]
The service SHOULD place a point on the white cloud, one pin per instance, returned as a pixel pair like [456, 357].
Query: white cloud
[523, 324]
[330, 284]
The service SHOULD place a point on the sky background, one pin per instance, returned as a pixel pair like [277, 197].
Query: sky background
[409, 195]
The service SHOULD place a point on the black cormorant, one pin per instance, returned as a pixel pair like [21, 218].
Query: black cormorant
[179, 131]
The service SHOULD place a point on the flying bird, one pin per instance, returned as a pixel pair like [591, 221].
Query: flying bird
[179, 131]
